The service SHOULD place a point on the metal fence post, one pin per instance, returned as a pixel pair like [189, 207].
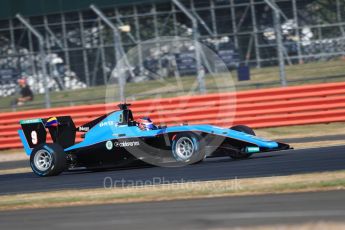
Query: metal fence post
[279, 39]
[200, 77]
[43, 56]
[119, 53]
[280, 47]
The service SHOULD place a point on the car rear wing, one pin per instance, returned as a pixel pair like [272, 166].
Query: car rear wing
[34, 131]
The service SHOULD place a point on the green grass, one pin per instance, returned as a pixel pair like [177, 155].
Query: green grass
[264, 77]
[298, 131]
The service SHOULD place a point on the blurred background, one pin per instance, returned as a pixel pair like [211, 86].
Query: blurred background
[263, 43]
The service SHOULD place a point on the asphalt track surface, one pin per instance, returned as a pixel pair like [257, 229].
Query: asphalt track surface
[216, 213]
[264, 164]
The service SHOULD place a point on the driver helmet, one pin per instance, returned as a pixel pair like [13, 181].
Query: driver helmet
[145, 123]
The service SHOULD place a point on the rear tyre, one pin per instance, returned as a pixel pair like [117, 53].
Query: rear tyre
[188, 148]
[244, 129]
[48, 160]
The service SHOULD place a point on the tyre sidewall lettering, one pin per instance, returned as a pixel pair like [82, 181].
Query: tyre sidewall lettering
[51, 152]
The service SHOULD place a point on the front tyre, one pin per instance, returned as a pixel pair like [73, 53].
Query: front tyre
[188, 148]
[244, 129]
[48, 160]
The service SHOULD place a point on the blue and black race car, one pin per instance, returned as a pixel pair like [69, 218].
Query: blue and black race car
[116, 140]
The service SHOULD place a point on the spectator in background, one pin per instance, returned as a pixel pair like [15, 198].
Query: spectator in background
[25, 92]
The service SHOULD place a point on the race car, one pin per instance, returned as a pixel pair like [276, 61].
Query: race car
[117, 140]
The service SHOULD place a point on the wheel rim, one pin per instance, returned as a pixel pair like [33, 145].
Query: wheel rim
[42, 160]
[184, 148]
